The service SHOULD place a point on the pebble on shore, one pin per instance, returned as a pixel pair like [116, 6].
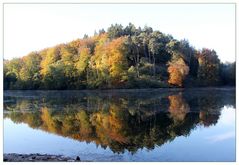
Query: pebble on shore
[13, 157]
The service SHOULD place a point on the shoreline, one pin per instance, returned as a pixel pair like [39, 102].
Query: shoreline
[14, 157]
[124, 89]
[128, 89]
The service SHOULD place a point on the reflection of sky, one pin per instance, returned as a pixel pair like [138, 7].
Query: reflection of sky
[214, 143]
[227, 122]
[228, 117]
[221, 137]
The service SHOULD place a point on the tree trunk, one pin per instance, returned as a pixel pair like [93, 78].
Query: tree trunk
[145, 52]
[137, 62]
[149, 56]
[87, 76]
[154, 64]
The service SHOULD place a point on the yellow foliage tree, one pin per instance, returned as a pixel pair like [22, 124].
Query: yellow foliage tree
[109, 60]
[83, 60]
[51, 56]
[117, 60]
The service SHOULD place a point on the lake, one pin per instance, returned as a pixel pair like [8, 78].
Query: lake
[123, 125]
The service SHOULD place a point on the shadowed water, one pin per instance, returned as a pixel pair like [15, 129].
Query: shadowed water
[123, 125]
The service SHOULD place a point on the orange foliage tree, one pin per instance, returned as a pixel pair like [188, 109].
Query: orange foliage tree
[177, 70]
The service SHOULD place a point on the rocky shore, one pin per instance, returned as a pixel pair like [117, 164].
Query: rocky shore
[12, 157]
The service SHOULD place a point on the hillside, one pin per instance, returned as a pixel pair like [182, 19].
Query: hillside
[121, 57]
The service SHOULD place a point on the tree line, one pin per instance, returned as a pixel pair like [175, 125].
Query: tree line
[121, 57]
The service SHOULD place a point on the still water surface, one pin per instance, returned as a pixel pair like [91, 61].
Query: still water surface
[123, 125]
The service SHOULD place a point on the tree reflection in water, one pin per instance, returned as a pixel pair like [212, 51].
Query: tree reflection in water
[120, 120]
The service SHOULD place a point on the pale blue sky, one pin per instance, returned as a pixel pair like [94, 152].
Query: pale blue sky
[31, 27]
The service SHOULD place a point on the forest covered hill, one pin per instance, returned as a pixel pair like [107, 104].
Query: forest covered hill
[121, 57]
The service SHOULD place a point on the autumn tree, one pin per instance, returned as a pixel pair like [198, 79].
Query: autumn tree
[178, 70]
[109, 61]
[50, 56]
[117, 61]
[82, 65]
[69, 55]
[208, 70]
[30, 71]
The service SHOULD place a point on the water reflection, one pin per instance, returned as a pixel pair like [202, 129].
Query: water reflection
[121, 120]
